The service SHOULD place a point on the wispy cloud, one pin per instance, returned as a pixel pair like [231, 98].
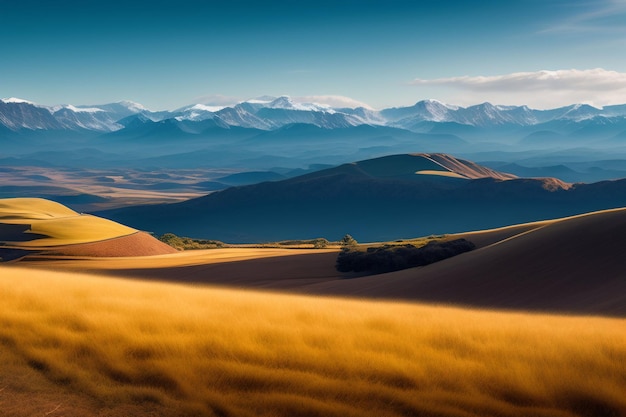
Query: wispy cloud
[598, 16]
[328, 100]
[540, 89]
[572, 79]
[332, 101]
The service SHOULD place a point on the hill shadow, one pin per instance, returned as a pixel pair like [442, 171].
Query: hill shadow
[18, 233]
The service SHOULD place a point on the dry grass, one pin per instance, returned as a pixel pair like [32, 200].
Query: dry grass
[115, 347]
[441, 173]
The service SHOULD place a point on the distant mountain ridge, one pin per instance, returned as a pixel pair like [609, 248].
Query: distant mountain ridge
[379, 199]
[280, 132]
[271, 114]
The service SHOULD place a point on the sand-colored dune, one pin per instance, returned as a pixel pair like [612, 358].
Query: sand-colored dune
[575, 264]
[34, 225]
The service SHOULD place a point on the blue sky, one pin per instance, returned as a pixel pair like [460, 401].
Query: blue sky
[167, 54]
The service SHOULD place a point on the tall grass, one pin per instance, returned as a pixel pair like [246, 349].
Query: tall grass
[175, 350]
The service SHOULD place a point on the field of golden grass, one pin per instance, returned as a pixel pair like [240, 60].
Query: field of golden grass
[76, 345]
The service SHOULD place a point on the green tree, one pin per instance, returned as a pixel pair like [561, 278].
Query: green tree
[348, 242]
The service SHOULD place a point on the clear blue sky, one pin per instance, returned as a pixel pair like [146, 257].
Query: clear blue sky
[166, 54]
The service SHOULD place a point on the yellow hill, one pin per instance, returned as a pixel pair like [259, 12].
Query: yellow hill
[45, 223]
[16, 210]
[34, 225]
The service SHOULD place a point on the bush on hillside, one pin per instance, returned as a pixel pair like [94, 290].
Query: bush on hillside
[186, 243]
[317, 243]
[348, 242]
[394, 258]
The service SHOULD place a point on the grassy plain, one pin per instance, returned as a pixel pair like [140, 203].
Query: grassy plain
[75, 344]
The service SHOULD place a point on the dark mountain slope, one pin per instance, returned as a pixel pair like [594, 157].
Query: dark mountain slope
[370, 203]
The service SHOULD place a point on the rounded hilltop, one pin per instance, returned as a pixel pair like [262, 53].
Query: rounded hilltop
[36, 225]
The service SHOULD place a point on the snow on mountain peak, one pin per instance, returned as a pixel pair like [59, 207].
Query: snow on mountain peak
[432, 101]
[83, 109]
[204, 107]
[282, 102]
[287, 103]
[16, 100]
[257, 101]
[133, 106]
[198, 112]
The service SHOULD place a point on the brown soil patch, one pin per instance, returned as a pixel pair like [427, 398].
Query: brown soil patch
[137, 244]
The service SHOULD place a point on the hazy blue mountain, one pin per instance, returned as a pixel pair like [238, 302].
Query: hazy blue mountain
[278, 131]
[250, 177]
[373, 200]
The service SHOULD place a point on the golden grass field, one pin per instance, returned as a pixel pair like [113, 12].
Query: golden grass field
[80, 345]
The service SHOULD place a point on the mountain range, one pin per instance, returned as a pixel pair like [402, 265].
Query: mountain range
[273, 132]
[272, 113]
[385, 198]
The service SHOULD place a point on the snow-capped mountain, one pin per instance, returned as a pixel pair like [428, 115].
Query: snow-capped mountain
[89, 118]
[487, 114]
[270, 113]
[197, 112]
[425, 110]
[18, 114]
[239, 116]
[120, 109]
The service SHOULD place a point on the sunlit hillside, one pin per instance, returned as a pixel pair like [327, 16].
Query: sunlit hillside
[51, 224]
[112, 347]
[36, 225]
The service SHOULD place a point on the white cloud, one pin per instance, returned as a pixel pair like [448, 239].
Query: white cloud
[540, 89]
[324, 100]
[332, 101]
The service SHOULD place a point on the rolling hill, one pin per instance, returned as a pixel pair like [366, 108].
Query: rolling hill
[567, 265]
[34, 225]
[571, 265]
[381, 199]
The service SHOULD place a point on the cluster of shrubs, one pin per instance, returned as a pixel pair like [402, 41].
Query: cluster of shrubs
[187, 243]
[389, 258]
[318, 243]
